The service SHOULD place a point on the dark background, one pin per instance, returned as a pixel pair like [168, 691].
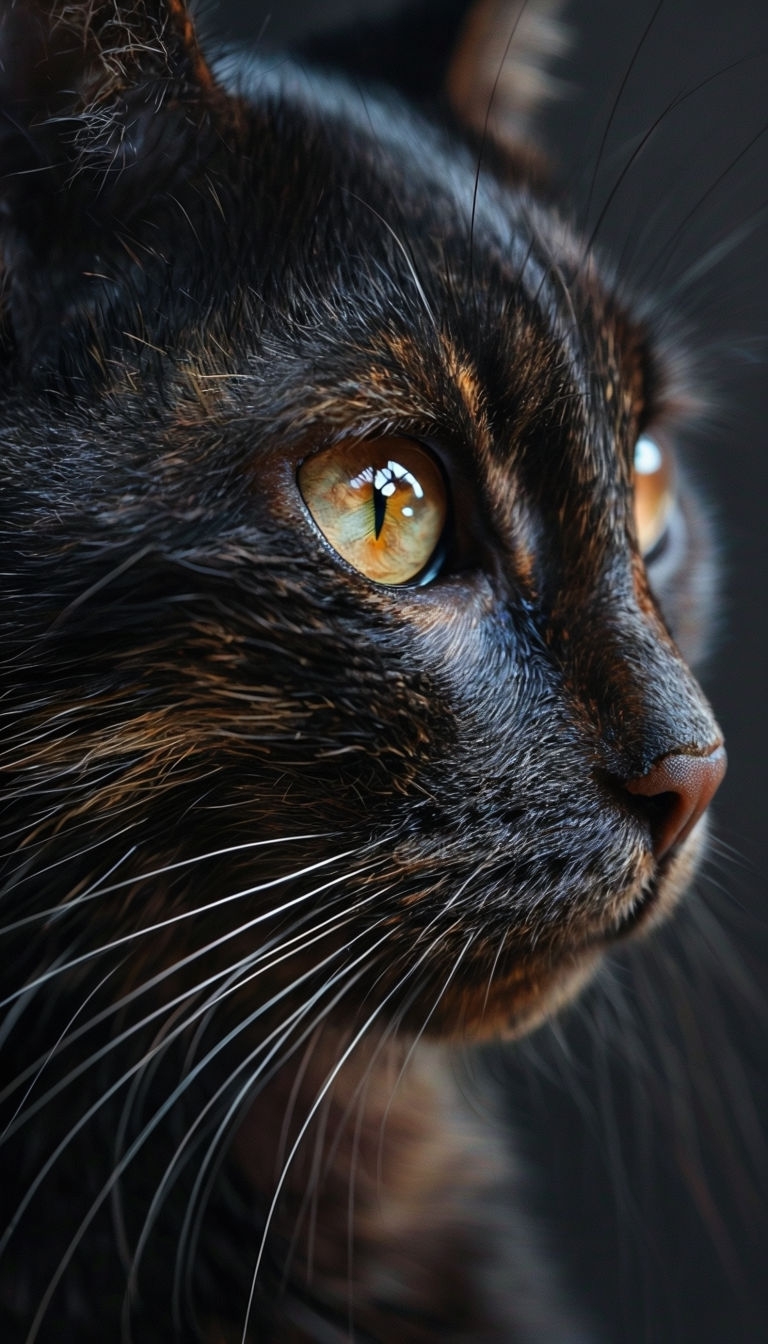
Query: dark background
[643, 1116]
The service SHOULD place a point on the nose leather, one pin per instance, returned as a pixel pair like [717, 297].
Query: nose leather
[680, 787]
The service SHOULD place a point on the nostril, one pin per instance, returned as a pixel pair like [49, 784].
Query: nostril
[679, 788]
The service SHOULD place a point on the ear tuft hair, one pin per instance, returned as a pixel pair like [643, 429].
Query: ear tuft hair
[69, 74]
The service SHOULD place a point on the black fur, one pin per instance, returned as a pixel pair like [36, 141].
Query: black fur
[207, 278]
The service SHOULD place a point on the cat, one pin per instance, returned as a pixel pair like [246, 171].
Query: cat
[350, 587]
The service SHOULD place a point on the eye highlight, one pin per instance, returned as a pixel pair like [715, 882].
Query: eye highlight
[654, 494]
[382, 504]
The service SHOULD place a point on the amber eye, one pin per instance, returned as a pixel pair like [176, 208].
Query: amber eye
[654, 495]
[381, 503]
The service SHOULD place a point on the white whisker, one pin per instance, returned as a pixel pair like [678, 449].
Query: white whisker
[185, 915]
[253, 958]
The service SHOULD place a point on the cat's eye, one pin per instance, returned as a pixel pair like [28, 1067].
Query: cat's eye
[654, 495]
[382, 504]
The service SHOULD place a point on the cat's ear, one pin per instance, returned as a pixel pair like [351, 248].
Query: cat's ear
[491, 59]
[104, 104]
[500, 69]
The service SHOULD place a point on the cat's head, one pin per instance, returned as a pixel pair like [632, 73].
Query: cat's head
[347, 553]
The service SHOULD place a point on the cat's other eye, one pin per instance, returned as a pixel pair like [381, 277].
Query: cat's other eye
[382, 504]
[654, 493]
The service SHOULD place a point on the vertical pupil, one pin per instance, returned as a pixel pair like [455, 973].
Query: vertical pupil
[385, 482]
[379, 510]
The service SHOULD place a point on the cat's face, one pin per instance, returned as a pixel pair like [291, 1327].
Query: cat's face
[344, 602]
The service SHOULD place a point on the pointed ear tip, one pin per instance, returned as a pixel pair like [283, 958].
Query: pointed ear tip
[75, 76]
[500, 70]
[114, 30]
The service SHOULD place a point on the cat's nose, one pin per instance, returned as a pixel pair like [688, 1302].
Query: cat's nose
[679, 789]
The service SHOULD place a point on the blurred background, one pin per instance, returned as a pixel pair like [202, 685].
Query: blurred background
[641, 1117]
